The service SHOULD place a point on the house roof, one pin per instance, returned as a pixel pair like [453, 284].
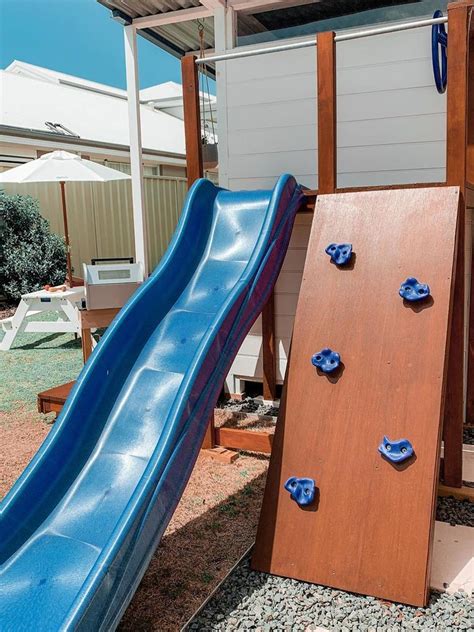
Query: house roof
[33, 96]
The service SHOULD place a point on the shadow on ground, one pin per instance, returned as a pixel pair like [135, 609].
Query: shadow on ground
[192, 560]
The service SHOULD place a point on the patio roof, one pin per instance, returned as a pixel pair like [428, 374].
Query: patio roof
[178, 38]
[173, 24]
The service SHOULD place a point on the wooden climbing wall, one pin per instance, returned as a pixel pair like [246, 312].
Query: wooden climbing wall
[370, 527]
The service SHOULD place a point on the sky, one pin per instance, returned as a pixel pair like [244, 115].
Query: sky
[78, 37]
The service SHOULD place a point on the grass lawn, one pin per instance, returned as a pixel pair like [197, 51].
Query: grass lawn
[35, 363]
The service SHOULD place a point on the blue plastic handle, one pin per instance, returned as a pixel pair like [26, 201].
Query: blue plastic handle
[412, 290]
[326, 360]
[302, 490]
[340, 253]
[396, 451]
[439, 45]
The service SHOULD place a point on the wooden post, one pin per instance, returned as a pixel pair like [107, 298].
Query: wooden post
[327, 113]
[470, 200]
[192, 133]
[192, 118]
[66, 233]
[269, 349]
[456, 174]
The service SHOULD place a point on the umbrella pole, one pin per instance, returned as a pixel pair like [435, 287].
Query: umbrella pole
[66, 233]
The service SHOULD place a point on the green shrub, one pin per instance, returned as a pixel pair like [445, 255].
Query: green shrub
[30, 254]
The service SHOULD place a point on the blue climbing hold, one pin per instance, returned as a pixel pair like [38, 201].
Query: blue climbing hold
[412, 290]
[396, 451]
[340, 253]
[302, 490]
[326, 360]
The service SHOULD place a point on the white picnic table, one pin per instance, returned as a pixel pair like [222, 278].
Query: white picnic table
[65, 304]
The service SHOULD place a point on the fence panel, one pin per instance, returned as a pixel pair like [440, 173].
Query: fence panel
[101, 218]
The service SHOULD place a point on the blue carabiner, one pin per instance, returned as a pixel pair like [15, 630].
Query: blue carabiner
[439, 44]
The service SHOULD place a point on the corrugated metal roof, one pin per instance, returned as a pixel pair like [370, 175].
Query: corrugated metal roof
[176, 38]
[183, 37]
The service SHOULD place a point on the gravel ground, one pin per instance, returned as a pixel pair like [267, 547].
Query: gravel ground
[468, 438]
[249, 405]
[249, 600]
[455, 511]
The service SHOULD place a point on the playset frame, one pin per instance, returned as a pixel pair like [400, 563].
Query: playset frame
[459, 405]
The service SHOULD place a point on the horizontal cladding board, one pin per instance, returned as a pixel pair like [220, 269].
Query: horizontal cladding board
[418, 101]
[287, 113]
[288, 283]
[391, 157]
[245, 366]
[385, 49]
[283, 327]
[285, 304]
[294, 260]
[252, 346]
[272, 164]
[293, 85]
[389, 104]
[390, 47]
[273, 139]
[253, 183]
[378, 178]
[414, 73]
[429, 155]
[397, 75]
[400, 129]
[300, 234]
[276, 65]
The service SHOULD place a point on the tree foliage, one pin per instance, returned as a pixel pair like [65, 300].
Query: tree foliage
[31, 256]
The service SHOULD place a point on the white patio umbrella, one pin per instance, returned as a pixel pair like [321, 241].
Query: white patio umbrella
[62, 167]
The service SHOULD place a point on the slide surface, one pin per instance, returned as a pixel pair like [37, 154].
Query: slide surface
[79, 527]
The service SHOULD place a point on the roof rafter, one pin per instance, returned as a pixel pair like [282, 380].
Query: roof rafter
[259, 6]
[213, 4]
[172, 17]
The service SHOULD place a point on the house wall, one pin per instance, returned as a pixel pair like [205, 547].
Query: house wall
[391, 130]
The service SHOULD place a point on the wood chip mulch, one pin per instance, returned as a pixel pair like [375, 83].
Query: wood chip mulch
[213, 526]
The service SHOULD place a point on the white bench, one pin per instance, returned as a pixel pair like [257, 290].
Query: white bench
[64, 304]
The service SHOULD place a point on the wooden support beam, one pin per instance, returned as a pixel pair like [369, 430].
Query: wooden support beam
[172, 17]
[327, 113]
[209, 441]
[240, 439]
[461, 493]
[94, 319]
[454, 405]
[470, 205]
[269, 349]
[456, 174]
[192, 119]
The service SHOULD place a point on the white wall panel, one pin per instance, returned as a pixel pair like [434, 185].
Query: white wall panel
[391, 130]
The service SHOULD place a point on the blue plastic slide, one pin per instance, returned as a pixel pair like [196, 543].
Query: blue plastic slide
[79, 527]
